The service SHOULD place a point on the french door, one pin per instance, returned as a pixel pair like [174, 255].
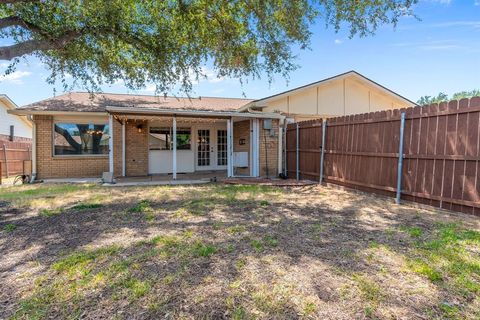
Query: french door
[211, 149]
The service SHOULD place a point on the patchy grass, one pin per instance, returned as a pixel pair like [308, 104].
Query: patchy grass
[414, 232]
[450, 256]
[9, 227]
[237, 252]
[50, 212]
[86, 206]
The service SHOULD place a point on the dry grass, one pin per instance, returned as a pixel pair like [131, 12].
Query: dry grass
[237, 252]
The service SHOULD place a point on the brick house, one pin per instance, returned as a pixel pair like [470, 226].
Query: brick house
[84, 135]
[80, 135]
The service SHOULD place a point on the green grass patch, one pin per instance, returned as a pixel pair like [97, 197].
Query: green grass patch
[136, 288]
[50, 212]
[449, 255]
[27, 192]
[369, 290]
[141, 207]
[236, 229]
[9, 227]
[259, 245]
[86, 206]
[414, 232]
[264, 203]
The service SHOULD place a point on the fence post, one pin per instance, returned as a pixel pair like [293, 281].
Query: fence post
[322, 154]
[297, 155]
[6, 160]
[400, 159]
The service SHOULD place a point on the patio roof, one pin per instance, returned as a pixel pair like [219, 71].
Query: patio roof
[191, 113]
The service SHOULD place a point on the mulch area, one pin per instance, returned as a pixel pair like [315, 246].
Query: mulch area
[270, 182]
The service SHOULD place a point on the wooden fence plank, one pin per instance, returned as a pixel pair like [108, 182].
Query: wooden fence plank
[441, 153]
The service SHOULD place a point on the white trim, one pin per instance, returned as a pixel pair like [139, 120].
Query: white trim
[34, 151]
[174, 148]
[255, 148]
[250, 164]
[22, 112]
[229, 148]
[353, 74]
[280, 146]
[124, 144]
[82, 155]
[110, 143]
[195, 113]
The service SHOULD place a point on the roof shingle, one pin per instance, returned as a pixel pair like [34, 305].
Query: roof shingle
[87, 102]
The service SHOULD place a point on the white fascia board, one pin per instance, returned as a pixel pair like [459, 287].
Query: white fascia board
[260, 102]
[21, 112]
[193, 113]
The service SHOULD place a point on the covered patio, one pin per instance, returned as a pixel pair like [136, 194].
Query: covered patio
[155, 145]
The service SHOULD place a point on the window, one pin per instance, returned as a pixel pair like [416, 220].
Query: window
[184, 139]
[80, 139]
[161, 138]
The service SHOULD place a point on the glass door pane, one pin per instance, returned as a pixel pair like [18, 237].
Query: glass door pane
[203, 148]
[222, 147]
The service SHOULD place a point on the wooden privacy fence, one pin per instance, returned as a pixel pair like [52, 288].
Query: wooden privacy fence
[439, 165]
[15, 158]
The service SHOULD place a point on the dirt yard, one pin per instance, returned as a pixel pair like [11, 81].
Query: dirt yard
[235, 252]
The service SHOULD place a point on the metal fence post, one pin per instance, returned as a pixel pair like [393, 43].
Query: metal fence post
[297, 155]
[322, 154]
[400, 159]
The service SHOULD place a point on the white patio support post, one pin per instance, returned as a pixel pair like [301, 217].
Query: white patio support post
[255, 148]
[34, 152]
[124, 144]
[229, 148]
[174, 151]
[280, 147]
[110, 144]
[250, 163]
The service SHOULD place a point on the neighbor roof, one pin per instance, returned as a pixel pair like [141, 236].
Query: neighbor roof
[349, 74]
[98, 102]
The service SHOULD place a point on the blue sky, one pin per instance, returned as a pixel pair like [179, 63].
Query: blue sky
[439, 53]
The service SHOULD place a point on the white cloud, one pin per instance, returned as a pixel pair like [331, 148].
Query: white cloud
[477, 2]
[338, 41]
[15, 77]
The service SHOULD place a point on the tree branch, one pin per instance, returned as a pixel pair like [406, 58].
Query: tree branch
[15, 1]
[30, 46]
[17, 21]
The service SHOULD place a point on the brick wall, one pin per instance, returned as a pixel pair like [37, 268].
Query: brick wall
[136, 149]
[269, 150]
[241, 130]
[66, 166]
[117, 148]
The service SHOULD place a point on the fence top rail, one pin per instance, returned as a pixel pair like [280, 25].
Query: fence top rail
[434, 110]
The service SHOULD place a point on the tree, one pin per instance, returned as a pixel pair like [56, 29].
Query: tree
[168, 42]
[443, 97]
[466, 94]
[426, 100]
